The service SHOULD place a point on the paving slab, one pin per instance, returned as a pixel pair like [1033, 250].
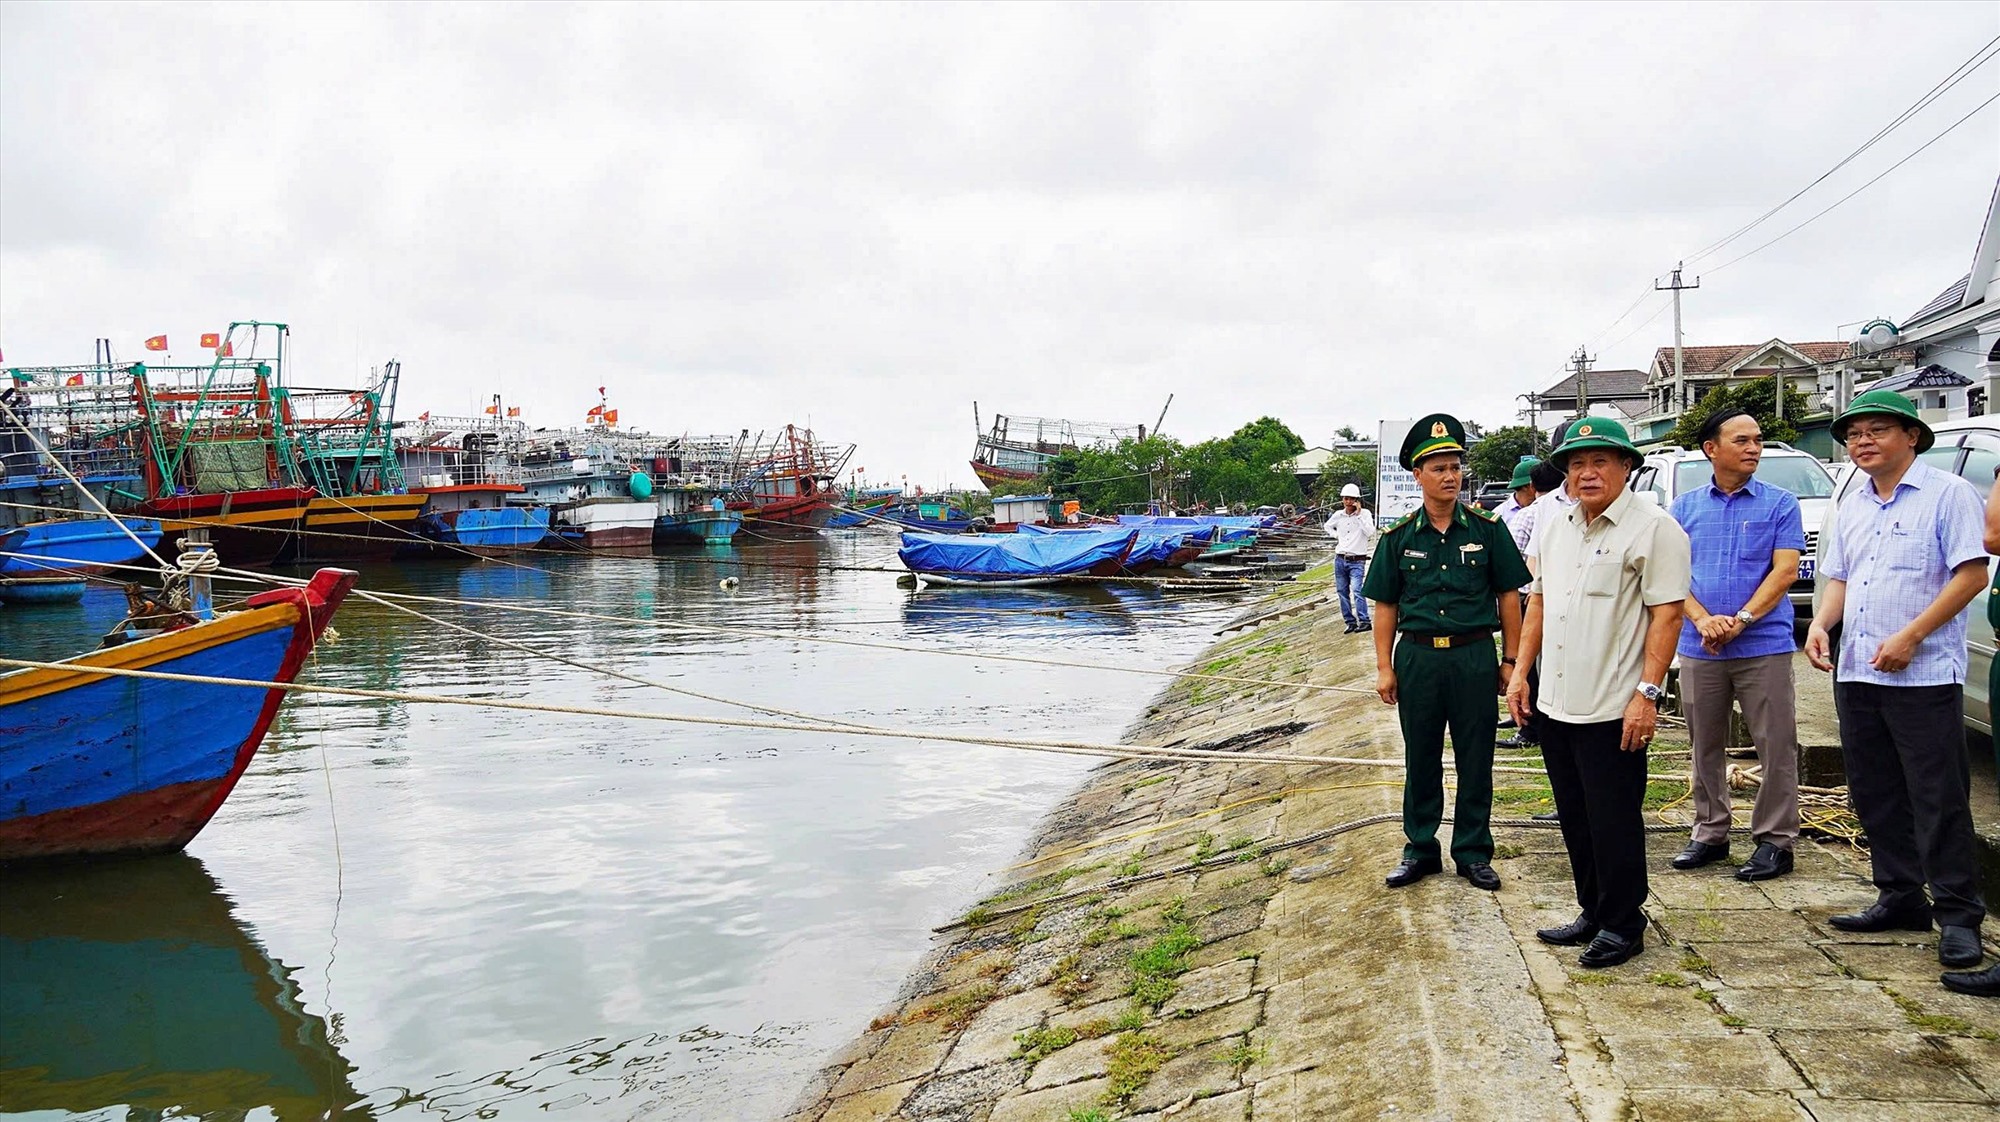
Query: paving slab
[1742, 1061]
[1889, 1066]
[1714, 1105]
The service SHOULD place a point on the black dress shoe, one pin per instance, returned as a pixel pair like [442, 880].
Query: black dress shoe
[1505, 723]
[1367, 625]
[1769, 861]
[1959, 946]
[1351, 629]
[1879, 918]
[1410, 872]
[1610, 950]
[1511, 742]
[1551, 816]
[1698, 854]
[1482, 876]
[1575, 933]
[1984, 983]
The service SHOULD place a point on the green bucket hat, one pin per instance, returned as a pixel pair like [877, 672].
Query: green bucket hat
[1595, 432]
[1884, 403]
[1524, 472]
[1439, 432]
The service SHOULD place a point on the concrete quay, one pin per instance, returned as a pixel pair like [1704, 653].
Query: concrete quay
[1204, 941]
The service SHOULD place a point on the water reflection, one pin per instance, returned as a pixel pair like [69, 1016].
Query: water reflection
[133, 984]
[1093, 609]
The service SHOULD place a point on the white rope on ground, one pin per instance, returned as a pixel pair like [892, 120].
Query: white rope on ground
[16, 420]
[1071, 747]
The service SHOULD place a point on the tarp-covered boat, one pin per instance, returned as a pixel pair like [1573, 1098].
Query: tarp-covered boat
[1014, 559]
[1153, 549]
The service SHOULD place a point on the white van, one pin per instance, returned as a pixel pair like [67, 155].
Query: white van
[1970, 449]
[1668, 475]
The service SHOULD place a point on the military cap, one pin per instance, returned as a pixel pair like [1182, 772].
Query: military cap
[1524, 472]
[1884, 403]
[1439, 432]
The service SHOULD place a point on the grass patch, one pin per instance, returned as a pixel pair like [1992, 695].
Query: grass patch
[1532, 795]
[1067, 980]
[1245, 856]
[1913, 1012]
[1162, 778]
[1175, 911]
[1591, 979]
[1133, 866]
[1086, 1114]
[1660, 792]
[978, 917]
[956, 1010]
[1506, 851]
[1155, 966]
[1036, 1043]
[1024, 931]
[1243, 1056]
[1276, 647]
[1705, 997]
[1274, 866]
[1134, 1059]
[1042, 883]
[1734, 1021]
[1111, 932]
[1669, 979]
[1695, 964]
[1204, 846]
[1217, 666]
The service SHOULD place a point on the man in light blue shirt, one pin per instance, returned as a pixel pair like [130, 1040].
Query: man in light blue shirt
[1736, 645]
[1905, 561]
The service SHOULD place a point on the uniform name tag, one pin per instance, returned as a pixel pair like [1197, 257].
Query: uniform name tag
[1416, 553]
[1473, 548]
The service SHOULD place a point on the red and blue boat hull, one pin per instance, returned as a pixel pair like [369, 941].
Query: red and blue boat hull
[94, 765]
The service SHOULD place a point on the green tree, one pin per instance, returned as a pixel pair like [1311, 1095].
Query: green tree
[1759, 398]
[1494, 457]
[1357, 468]
[1346, 432]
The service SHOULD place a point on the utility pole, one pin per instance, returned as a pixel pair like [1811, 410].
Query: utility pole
[1676, 287]
[1580, 363]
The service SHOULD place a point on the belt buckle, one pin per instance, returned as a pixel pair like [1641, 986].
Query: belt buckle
[1441, 642]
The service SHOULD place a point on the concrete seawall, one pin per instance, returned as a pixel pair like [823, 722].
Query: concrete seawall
[1212, 940]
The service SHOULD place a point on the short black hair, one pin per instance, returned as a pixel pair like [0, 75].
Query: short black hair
[1547, 476]
[1711, 429]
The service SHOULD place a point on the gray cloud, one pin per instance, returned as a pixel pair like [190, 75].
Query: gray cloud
[873, 215]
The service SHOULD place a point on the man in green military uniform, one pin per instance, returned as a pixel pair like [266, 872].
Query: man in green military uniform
[1444, 578]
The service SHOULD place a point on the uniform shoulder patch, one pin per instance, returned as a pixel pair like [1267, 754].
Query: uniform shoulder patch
[1486, 514]
[1403, 521]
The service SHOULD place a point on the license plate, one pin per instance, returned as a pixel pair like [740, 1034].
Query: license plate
[1806, 568]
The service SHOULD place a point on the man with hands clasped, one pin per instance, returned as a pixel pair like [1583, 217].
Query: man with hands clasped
[1745, 537]
[1905, 560]
[1603, 615]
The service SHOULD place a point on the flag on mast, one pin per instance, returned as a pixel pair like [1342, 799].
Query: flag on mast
[157, 343]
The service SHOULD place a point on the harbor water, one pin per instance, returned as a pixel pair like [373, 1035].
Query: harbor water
[469, 912]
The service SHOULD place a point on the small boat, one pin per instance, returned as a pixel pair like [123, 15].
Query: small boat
[80, 545]
[97, 765]
[685, 520]
[476, 518]
[1014, 560]
[1168, 548]
[42, 589]
[928, 516]
[862, 507]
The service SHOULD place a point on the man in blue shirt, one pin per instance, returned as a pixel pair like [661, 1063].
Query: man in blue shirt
[1904, 562]
[1736, 644]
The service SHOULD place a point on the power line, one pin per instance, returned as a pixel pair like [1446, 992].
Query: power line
[1964, 70]
[1892, 167]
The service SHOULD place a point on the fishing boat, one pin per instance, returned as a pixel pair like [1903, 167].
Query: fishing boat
[934, 516]
[42, 589]
[1014, 560]
[694, 516]
[862, 507]
[784, 486]
[467, 469]
[1017, 450]
[81, 545]
[95, 766]
[341, 444]
[1154, 548]
[48, 430]
[130, 989]
[598, 498]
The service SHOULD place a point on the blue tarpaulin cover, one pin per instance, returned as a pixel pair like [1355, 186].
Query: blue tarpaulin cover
[1154, 544]
[1011, 556]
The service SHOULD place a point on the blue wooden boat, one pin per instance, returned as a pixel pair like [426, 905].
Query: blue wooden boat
[94, 765]
[862, 507]
[77, 545]
[685, 519]
[479, 519]
[930, 517]
[1014, 560]
[42, 589]
[131, 988]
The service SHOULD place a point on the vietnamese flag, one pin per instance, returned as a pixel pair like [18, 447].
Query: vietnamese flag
[211, 340]
[424, 416]
[227, 350]
[157, 343]
[73, 380]
[492, 409]
[611, 416]
[595, 411]
[513, 410]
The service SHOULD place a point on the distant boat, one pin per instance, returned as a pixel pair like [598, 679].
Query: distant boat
[785, 488]
[685, 519]
[861, 507]
[476, 518]
[1016, 450]
[131, 987]
[932, 516]
[80, 545]
[1168, 548]
[42, 589]
[94, 766]
[342, 443]
[1014, 560]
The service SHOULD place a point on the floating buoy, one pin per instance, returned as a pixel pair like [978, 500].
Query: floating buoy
[728, 584]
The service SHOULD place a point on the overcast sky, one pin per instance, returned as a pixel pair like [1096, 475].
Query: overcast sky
[872, 216]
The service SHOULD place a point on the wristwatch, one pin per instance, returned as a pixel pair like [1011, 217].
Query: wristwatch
[1651, 692]
[1746, 617]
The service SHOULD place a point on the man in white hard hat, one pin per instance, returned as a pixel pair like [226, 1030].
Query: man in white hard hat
[1353, 530]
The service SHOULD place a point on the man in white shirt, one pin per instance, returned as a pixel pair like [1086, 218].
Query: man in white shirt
[1353, 530]
[1604, 616]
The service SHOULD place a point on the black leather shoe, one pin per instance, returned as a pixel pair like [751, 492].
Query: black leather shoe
[1698, 854]
[1367, 625]
[1410, 872]
[1482, 876]
[1351, 629]
[1985, 983]
[1769, 861]
[1575, 933]
[1505, 723]
[1878, 918]
[1959, 946]
[1551, 816]
[1610, 950]
[1511, 742]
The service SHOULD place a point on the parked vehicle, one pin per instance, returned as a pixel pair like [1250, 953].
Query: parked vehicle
[1492, 496]
[1668, 475]
[1970, 449]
